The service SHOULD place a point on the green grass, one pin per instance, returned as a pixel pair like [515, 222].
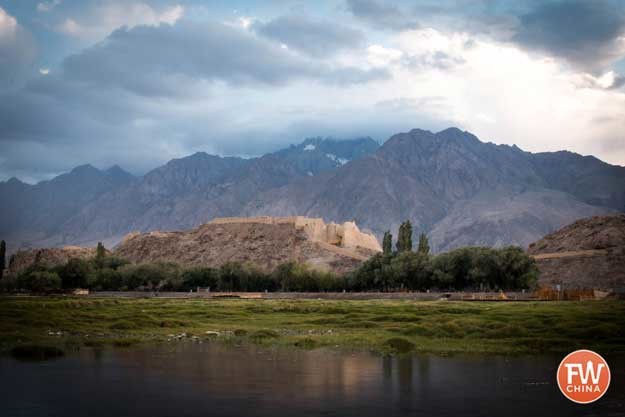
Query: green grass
[384, 326]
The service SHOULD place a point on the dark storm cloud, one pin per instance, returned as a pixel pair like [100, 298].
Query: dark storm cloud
[155, 60]
[585, 33]
[315, 37]
[151, 93]
[382, 15]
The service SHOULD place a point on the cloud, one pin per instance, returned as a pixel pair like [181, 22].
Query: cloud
[314, 37]
[590, 34]
[106, 17]
[17, 52]
[151, 93]
[382, 15]
[488, 95]
[46, 6]
[157, 60]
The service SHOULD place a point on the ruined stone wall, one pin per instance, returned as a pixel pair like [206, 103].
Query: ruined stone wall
[346, 235]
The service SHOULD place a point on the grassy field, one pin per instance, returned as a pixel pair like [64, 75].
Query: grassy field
[382, 326]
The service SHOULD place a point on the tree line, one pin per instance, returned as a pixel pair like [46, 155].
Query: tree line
[398, 269]
[466, 268]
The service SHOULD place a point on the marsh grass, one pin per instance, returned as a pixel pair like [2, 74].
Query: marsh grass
[432, 326]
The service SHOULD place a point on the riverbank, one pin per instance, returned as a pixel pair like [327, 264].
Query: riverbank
[382, 326]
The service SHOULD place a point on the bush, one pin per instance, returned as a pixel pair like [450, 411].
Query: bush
[399, 345]
[74, 273]
[375, 273]
[200, 277]
[292, 276]
[110, 262]
[151, 276]
[472, 268]
[39, 281]
[105, 279]
[8, 284]
[264, 334]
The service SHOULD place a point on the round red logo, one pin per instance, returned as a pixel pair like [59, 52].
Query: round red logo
[583, 376]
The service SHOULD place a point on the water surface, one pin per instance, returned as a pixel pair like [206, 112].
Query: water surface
[214, 380]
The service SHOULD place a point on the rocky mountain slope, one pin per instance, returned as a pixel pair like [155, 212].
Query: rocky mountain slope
[48, 257]
[459, 190]
[590, 253]
[31, 213]
[317, 155]
[449, 184]
[265, 242]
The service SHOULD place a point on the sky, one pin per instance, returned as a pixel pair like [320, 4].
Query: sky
[137, 83]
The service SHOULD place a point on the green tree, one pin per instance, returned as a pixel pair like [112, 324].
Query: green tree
[412, 270]
[39, 281]
[106, 279]
[230, 276]
[424, 244]
[74, 273]
[404, 237]
[373, 274]
[3, 250]
[387, 243]
[518, 269]
[100, 252]
[151, 276]
[200, 277]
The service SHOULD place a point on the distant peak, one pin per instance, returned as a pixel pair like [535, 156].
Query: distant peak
[115, 168]
[455, 133]
[313, 141]
[417, 131]
[451, 130]
[82, 169]
[117, 171]
[14, 180]
[197, 156]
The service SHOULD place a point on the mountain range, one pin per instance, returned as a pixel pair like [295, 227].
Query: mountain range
[459, 190]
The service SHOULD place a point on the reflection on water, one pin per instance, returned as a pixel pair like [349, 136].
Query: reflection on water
[213, 380]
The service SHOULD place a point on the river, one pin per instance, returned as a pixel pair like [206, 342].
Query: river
[187, 379]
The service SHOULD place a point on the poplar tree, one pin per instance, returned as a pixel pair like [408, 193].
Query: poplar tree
[404, 237]
[424, 245]
[387, 243]
[100, 252]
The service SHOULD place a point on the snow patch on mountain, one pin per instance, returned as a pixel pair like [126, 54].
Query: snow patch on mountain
[336, 159]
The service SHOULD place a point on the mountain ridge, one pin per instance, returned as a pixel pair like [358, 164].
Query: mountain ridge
[449, 183]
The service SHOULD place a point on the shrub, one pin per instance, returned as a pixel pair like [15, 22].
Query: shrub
[106, 279]
[264, 334]
[154, 276]
[111, 262]
[399, 345]
[200, 277]
[460, 269]
[39, 281]
[74, 273]
[292, 276]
